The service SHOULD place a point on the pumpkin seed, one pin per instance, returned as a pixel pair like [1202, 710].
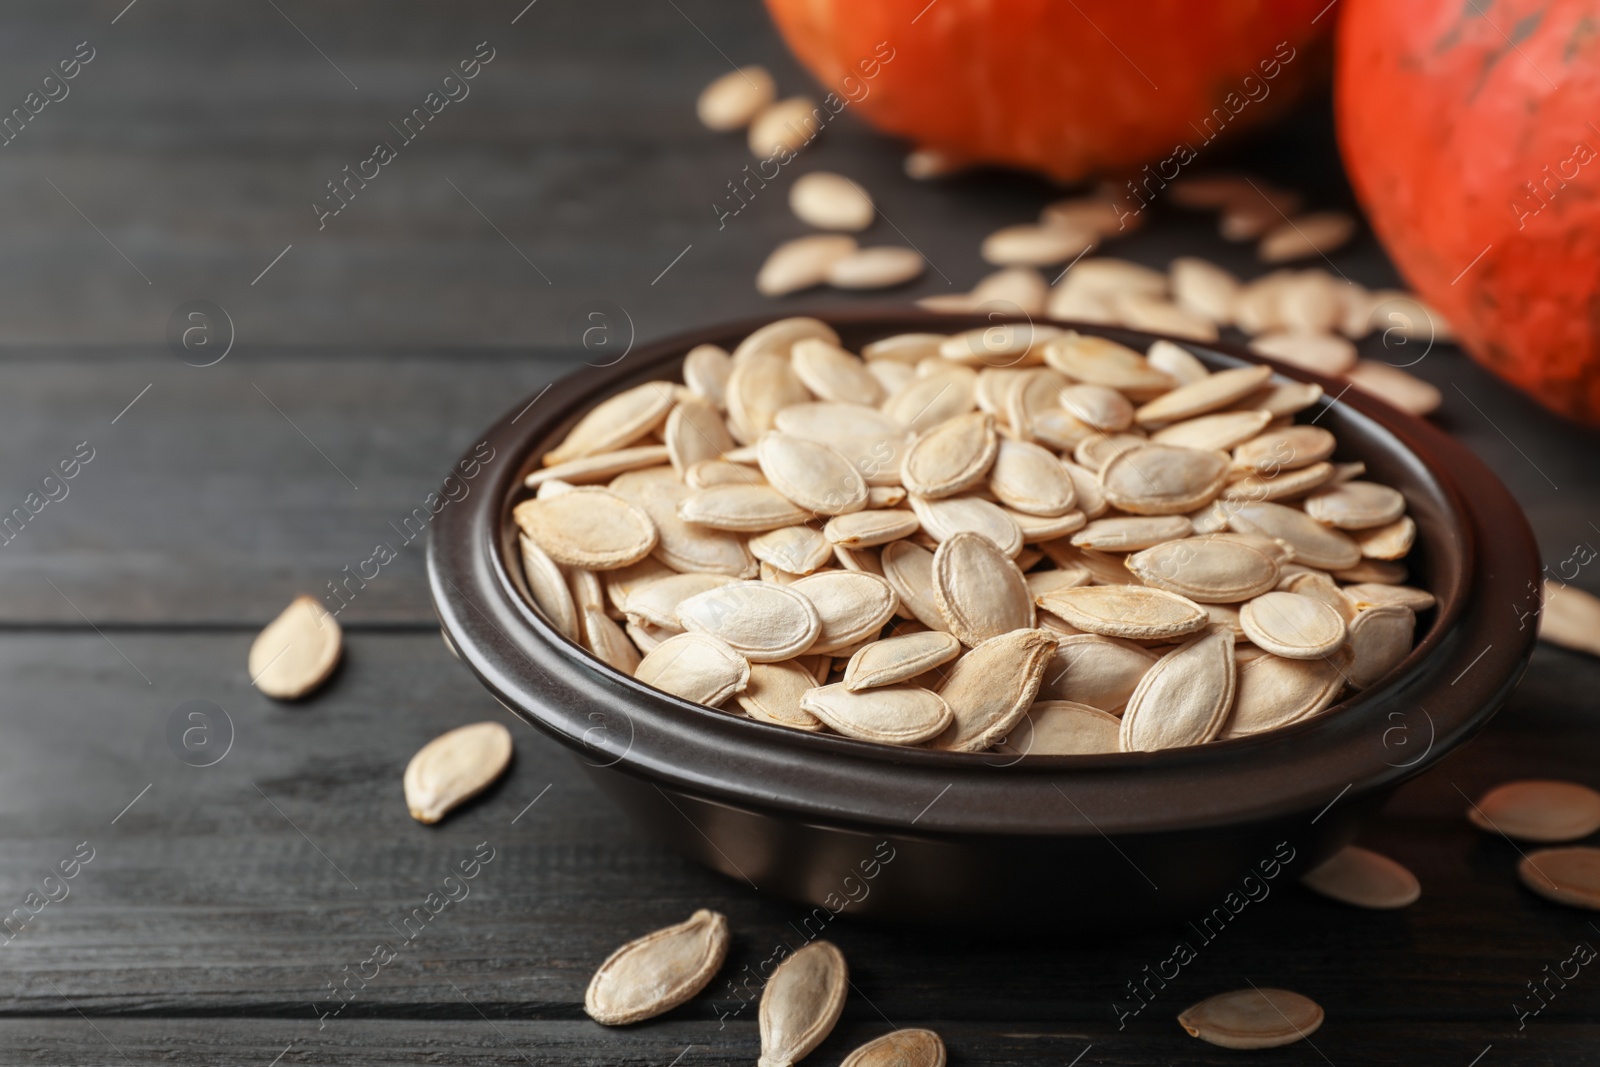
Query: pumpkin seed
[657, 972]
[1314, 545]
[943, 519]
[1252, 1018]
[745, 508]
[761, 621]
[623, 581]
[889, 715]
[1372, 570]
[832, 373]
[801, 1002]
[1308, 235]
[615, 422]
[1204, 289]
[709, 472]
[927, 402]
[802, 263]
[851, 606]
[1030, 479]
[951, 457]
[1286, 449]
[830, 202]
[909, 570]
[1319, 353]
[657, 602]
[1107, 274]
[1176, 361]
[795, 549]
[1075, 303]
[1355, 505]
[1098, 361]
[979, 590]
[1211, 393]
[1126, 611]
[1099, 449]
[814, 476]
[1101, 672]
[898, 659]
[1564, 875]
[1394, 386]
[1098, 406]
[705, 372]
[298, 650]
[864, 529]
[607, 641]
[903, 348]
[780, 335]
[1163, 480]
[455, 767]
[1039, 528]
[1132, 533]
[1099, 214]
[992, 687]
[1206, 570]
[732, 101]
[1215, 433]
[784, 127]
[1310, 303]
[682, 545]
[1292, 626]
[902, 1048]
[694, 433]
[999, 346]
[1272, 691]
[602, 465]
[1570, 617]
[775, 693]
[1284, 486]
[1029, 245]
[645, 637]
[1087, 494]
[1063, 728]
[1540, 810]
[1017, 289]
[695, 666]
[762, 384]
[875, 268]
[590, 528]
[1318, 586]
[1281, 398]
[1388, 542]
[1184, 698]
[1140, 311]
[1380, 637]
[548, 588]
[1370, 594]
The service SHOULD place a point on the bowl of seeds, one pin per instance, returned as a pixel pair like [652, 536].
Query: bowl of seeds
[1000, 610]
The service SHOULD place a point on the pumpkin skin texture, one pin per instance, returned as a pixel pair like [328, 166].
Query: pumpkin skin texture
[1039, 84]
[1467, 133]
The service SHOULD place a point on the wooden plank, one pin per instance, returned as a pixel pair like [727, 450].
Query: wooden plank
[223, 891]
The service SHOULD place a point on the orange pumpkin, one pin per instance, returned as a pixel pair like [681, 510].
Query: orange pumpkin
[1067, 87]
[1469, 131]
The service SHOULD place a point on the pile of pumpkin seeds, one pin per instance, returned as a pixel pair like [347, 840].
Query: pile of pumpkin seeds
[1022, 537]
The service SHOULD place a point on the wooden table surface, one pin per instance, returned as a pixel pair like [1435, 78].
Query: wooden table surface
[221, 902]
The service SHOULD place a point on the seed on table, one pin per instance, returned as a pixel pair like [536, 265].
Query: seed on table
[1319, 353]
[1538, 810]
[899, 1048]
[1205, 289]
[801, 1003]
[1564, 875]
[1394, 386]
[1111, 275]
[1252, 1018]
[1570, 618]
[1140, 311]
[784, 127]
[1292, 626]
[655, 973]
[830, 202]
[1308, 235]
[1364, 879]
[801, 263]
[1021, 288]
[298, 650]
[1028, 245]
[695, 666]
[455, 767]
[876, 268]
[732, 101]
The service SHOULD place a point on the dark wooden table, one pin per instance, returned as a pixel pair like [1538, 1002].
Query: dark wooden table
[221, 902]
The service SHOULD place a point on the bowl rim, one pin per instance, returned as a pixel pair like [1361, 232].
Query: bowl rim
[500, 636]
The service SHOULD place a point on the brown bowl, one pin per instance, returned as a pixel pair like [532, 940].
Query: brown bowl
[914, 834]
